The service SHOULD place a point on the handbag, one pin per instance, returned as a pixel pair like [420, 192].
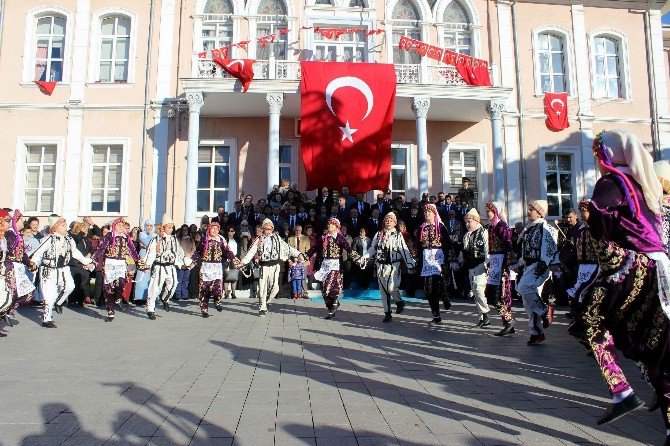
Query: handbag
[231, 275]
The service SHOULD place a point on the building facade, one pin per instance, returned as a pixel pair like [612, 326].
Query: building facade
[139, 125]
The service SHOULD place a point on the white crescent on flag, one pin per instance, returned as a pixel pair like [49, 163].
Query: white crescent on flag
[236, 61]
[358, 84]
[560, 101]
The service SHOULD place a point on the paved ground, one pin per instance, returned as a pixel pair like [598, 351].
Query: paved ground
[296, 379]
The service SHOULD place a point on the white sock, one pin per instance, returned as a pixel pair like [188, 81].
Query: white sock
[667, 432]
[619, 397]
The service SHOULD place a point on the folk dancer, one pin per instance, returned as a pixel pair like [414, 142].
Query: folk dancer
[213, 252]
[272, 250]
[164, 254]
[475, 260]
[628, 306]
[113, 252]
[434, 245]
[388, 251]
[539, 254]
[142, 277]
[498, 288]
[329, 254]
[24, 291]
[53, 256]
[6, 268]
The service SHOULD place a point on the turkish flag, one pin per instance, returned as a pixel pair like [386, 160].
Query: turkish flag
[46, 87]
[556, 109]
[478, 76]
[346, 122]
[242, 69]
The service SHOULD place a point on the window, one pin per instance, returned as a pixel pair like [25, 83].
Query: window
[464, 163]
[405, 23]
[40, 178]
[398, 170]
[346, 48]
[356, 4]
[559, 183]
[323, 2]
[107, 172]
[50, 48]
[606, 73]
[551, 56]
[213, 176]
[114, 49]
[217, 26]
[457, 31]
[272, 20]
[286, 163]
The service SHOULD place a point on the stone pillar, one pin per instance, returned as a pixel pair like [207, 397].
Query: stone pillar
[195, 103]
[495, 110]
[420, 107]
[275, 103]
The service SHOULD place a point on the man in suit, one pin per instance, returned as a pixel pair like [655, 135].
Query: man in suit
[381, 205]
[374, 223]
[441, 199]
[348, 199]
[276, 219]
[220, 212]
[236, 217]
[362, 207]
[342, 209]
[292, 218]
[355, 222]
[324, 199]
[454, 226]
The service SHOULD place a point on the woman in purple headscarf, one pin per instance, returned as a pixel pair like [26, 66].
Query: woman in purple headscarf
[628, 306]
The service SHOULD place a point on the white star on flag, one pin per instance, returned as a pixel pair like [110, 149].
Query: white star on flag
[348, 132]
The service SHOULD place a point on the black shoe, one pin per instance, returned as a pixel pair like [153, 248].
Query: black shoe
[125, 302]
[3, 335]
[58, 308]
[166, 305]
[446, 303]
[480, 323]
[261, 313]
[151, 315]
[508, 328]
[219, 307]
[330, 315]
[617, 410]
[436, 320]
[388, 317]
[337, 305]
[654, 404]
[110, 317]
[400, 307]
[205, 314]
[49, 324]
[487, 320]
[233, 296]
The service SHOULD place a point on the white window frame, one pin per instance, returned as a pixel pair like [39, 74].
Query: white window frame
[575, 153]
[484, 175]
[197, 33]
[411, 182]
[293, 165]
[21, 170]
[275, 26]
[625, 90]
[234, 175]
[96, 43]
[475, 25]
[568, 58]
[87, 176]
[30, 42]
[344, 20]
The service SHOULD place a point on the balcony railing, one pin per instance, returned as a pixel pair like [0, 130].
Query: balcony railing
[290, 70]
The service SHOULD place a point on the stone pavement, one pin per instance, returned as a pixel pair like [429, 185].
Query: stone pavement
[295, 379]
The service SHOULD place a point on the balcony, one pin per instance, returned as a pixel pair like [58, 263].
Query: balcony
[290, 71]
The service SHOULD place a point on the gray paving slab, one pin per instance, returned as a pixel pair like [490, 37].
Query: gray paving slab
[295, 379]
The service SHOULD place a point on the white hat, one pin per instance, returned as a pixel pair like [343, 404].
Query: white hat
[473, 215]
[541, 206]
[167, 220]
[53, 222]
[267, 221]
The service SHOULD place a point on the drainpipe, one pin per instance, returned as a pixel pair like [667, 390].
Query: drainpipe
[3, 5]
[519, 101]
[143, 163]
[651, 79]
[178, 110]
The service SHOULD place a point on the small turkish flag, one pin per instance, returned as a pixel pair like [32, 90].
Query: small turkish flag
[242, 69]
[478, 76]
[346, 123]
[556, 109]
[46, 87]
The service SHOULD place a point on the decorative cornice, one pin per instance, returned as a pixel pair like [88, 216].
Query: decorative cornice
[420, 107]
[275, 102]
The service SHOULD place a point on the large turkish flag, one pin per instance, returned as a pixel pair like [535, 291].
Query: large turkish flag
[346, 123]
[242, 69]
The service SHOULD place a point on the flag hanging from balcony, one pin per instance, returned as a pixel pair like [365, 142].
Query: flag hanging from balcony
[475, 74]
[346, 122]
[242, 69]
[556, 109]
[46, 87]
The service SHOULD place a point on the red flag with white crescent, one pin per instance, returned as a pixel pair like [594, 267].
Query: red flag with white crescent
[46, 87]
[346, 123]
[556, 109]
[242, 69]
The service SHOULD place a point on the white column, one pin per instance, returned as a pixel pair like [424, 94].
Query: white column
[81, 42]
[159, 164]
[73, 167]
[165, 50]
[658, 57]
[275, 103]
[495, 110]
[589, 173]
[195, 103]
[420, 107]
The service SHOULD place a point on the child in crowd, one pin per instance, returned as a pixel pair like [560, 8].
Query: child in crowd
[296, 274]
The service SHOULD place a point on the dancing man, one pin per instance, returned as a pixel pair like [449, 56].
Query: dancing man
[628, 306]
[164, 255]
[272, 250]
[433, 247]
[539, 254]
[115, 249]
[498, 289]
[475, 258]
[389, 250]
[53, 256]
[329, 254]
[213, 253]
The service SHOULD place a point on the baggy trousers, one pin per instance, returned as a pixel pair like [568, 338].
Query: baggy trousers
[162, 285]
[56, 284]
[268, 286]
[477, 276]
[388, 277]
[530, 288]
